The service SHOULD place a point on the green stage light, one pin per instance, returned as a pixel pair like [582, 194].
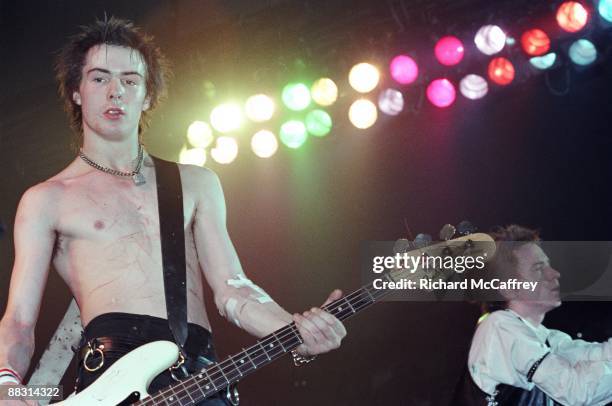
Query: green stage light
[293, 134]
[543, 62]
[296, 96]
[605, 10]
[318, 123]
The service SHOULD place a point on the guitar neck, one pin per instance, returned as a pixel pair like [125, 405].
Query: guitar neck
[267, 349]
[221, 375]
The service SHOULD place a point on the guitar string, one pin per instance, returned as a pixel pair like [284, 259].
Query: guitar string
[255, 357]
[218, 375]
[290, 330]
[221, 378]
[187, 388]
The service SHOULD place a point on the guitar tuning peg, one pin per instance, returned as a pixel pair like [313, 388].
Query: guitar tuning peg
[401, 245]
[422, 239]
[466, 227]
[447, 232]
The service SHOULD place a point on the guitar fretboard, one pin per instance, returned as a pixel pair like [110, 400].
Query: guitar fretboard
[221, 375]
[267, 349]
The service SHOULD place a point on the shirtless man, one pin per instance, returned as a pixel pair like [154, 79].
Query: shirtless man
[101, 230]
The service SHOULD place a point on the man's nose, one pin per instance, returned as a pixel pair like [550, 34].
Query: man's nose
[553, 273]
[116, 89]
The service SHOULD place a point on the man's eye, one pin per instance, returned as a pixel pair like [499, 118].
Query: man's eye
[98, 80]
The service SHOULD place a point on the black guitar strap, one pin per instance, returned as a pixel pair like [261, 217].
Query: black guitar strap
[172, 234]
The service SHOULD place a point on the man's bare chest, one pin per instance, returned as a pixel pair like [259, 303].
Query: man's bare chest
[112, 211]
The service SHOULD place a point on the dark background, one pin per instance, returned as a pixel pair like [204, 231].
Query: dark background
[520, 155]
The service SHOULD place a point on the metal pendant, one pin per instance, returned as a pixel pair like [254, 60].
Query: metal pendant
[139, 179]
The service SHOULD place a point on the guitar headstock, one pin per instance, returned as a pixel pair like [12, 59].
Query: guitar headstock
[461, 249]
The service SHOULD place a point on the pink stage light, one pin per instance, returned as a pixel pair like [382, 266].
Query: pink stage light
[404, 69]
[449, 50]
[441, 93]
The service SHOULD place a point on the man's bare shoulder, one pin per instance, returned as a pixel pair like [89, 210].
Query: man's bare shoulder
[197, 173]
[47, 194]
[203, 184]
[38, 203]
[43, 194]
[197, 179]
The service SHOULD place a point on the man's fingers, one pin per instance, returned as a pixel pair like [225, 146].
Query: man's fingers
[335, 295]
[313, 334]
[332, 321]
[330, 330]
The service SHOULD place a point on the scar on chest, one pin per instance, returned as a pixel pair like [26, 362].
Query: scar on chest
[99, 225]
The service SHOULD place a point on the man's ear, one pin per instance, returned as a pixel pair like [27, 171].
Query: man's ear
[147, 104]
[76, 97]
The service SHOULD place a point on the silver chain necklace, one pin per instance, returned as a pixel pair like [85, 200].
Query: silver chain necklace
[136, 176]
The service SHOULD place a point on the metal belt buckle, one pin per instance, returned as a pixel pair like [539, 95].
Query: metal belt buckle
[232, 395]
[91, 351]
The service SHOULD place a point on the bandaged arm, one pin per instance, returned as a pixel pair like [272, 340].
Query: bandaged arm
[249, 307]
[237, 298]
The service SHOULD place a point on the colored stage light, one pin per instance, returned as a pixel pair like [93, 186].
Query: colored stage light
[535, 42]
[490, 39]
[199, 134]
[293, 134]
[363, 114]
[449, 50]
[441, 93]
[501, 71]
[324, 92]
[264, 144]
[473, 87]
[296, 96]
[259, 108]
[605, 10]
[192, 156]
[391, 102]
[543, 62]
[572, 16]
[583, 52]
[226, 117]
[364, 77]
[403, 69]
[318, 123]
[225, 151]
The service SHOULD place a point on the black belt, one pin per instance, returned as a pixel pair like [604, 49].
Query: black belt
[92, 354]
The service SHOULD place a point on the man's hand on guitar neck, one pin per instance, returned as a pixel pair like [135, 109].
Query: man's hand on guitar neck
[321, 331]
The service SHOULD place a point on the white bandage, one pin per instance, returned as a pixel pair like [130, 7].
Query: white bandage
[233, 306]
[243, 282]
